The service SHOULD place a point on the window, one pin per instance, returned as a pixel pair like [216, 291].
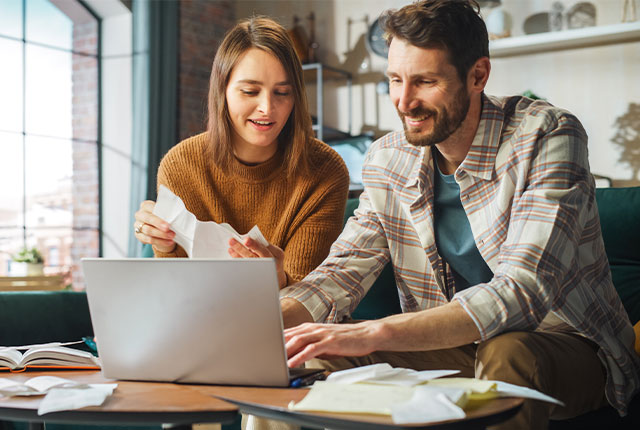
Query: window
[49, 149]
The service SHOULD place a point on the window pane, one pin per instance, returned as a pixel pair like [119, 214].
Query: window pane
[48, 92]
[11, 241]
[11, 18]
[55, 246]
[11, 178]
[48, 182]
[10, 84]
[47, 24]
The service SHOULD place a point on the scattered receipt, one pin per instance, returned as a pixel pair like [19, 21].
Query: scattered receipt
[65, 399]
[60, 394]
[212, 238]
[384, 374]
[35, 386]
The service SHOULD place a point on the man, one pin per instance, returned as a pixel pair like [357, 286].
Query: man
[486, 209]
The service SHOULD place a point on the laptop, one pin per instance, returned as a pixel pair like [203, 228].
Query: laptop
[206, 321]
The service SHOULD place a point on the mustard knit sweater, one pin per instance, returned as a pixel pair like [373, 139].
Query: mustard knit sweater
[302, 215]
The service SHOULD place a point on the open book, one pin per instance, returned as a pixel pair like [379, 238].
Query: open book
[46, 356]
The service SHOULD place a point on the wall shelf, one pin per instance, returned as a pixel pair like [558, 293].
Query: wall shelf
[319, 72]
[567, 39]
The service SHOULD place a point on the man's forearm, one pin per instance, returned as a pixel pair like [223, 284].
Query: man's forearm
[446, 326]
[443, 327]
[294, 313]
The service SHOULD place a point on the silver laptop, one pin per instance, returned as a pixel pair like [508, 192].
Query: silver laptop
[204, 321]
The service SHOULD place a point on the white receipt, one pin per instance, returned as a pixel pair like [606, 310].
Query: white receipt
[60, 394]
[384, 374]
[65, 399]
[508, 390]
[428, 405]
[35, 386]
[199, 239]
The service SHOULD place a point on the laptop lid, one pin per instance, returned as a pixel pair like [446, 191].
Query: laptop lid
[188, 320]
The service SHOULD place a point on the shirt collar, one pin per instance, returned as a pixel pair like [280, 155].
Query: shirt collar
[481, 158]
[418, 173]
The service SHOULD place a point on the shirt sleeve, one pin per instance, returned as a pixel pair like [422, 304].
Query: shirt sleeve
[553, 211]
[334, 289]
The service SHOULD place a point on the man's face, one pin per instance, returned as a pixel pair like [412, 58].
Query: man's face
[425, 88]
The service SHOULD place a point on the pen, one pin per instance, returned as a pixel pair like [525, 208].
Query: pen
[305, 381]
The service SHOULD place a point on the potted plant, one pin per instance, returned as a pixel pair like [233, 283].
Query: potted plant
[27, 262]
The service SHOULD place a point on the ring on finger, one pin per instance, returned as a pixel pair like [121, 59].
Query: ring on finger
[138, 229]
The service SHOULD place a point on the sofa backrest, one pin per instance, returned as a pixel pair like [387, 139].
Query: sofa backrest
[382, 299]
[44, 316]
[28, 317]
[619, 210]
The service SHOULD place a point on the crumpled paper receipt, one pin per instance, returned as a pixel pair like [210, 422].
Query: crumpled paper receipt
[35, 386]
[65, 399]
[384, 374]
[212, 238]
[408, 396]
[60, 394]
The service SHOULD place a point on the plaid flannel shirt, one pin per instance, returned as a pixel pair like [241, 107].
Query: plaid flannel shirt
[527, 191]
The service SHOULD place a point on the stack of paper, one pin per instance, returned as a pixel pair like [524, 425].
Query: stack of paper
[408, 396]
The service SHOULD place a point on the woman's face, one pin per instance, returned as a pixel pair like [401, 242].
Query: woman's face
[259, 99]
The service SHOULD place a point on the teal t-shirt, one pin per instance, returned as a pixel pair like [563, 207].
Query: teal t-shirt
[454, 238]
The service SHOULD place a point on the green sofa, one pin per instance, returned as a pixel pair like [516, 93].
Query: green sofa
[34, 317]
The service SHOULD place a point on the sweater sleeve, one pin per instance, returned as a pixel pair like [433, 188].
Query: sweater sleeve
[320, 223]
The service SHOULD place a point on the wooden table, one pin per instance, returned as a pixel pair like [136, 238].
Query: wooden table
[141, 403]
[272, 403]
[153, 403]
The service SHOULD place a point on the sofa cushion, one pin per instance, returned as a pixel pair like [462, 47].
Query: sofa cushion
[382, 298]
[619, 209]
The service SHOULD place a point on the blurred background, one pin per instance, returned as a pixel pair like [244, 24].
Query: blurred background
[94, 92]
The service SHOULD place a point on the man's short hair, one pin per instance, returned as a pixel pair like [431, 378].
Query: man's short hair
[452, 25]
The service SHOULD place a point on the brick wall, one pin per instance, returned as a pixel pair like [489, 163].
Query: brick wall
[203, 24]
[85, 187]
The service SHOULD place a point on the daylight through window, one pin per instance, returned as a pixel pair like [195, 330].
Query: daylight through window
[49, 134]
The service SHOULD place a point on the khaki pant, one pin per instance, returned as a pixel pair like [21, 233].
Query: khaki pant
[562, 365]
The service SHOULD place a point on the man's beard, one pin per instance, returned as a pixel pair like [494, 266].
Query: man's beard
[445, 123]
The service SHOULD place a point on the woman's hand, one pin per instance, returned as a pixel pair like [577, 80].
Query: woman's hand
[152, 229]
[252, 249]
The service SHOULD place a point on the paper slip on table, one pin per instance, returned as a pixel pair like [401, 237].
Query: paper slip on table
[272, 403]
[141, 403]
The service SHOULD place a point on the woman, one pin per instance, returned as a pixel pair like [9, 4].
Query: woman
[257, 163]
